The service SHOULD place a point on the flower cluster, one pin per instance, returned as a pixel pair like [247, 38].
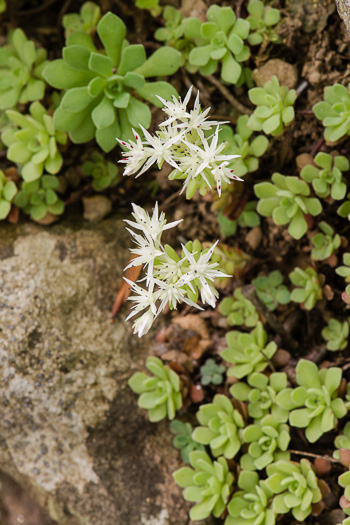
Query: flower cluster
[169, 279]
[182, 141]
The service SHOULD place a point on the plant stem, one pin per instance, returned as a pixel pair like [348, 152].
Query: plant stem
[311, 455]
[249, 292]
[228, 95]
[316, 147]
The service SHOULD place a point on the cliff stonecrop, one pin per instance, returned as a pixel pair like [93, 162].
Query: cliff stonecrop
[160, 394]
[101, 86]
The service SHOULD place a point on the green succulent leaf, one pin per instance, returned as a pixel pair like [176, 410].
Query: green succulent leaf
[159, 395]
[100, 85]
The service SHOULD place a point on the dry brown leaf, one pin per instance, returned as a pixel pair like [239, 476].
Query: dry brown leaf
[13, 216]
[194, 345]
[124, 290]
[192, 322]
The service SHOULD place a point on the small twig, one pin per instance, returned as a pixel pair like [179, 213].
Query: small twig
[238, 8]
[229, 97]
[311, 455]
[151, 45]
[63, 9]
[317, 354]
[271, 365]
[77, 195]
[317, 146]
[35, 10]
[169, 200]
[188, 83]
[204, 91]
[249, 292]
[304, 111]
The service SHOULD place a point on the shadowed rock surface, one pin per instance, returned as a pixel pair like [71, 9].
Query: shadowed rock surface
[71, 433]
[344, 12]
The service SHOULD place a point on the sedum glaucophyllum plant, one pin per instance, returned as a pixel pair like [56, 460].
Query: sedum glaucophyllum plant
[344, 481]
[327, 177]
[287, 200]
[39, 197]
[344, 271]
[160, 394]
[252, 504]
[263, 21]
[271, 290]
[169, 278]
[181, 143]
[239, 310]
[342, 441]
[247, 219]
[101, 86]
[173, 31]
[334, 111]
[32, 142]
[232, 260]
[325, 242]
[8, 190]
[309, 287]
[21, 66]
[248, 353]
[268, 442]
[274, 107]
[261, 392]
[220, 39]
[314, 404]
[344, 208]
[296, 487]
[240, 143]
[208, 484]
[220, 427]
[104, 174]
[183, 440]
[150, 5]
[212, 373]
[84, 21]
[336, 334]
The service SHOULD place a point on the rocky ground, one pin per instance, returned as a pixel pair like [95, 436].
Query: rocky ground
[71, 434]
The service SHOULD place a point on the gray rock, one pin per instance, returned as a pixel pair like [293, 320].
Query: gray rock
[70, 429]
[343, 7]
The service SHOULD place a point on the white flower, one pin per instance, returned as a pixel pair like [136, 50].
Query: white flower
[159, 150]
[209, 294]
[146, 253]
[198, 118]
[169, 270]
[189, 166]
[145, 298]
[211, 153]
[204, 271]
[182, 144]
[176, 109]
[173, 293]
[151, 227]
[143, 324]
[223, 174]
[136, 156]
